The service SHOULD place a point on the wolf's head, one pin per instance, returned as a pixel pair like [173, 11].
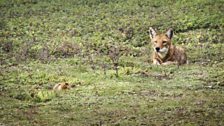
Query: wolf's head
[161, 42]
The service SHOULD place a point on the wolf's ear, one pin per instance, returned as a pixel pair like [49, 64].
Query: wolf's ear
[152, 32]
[169, 33]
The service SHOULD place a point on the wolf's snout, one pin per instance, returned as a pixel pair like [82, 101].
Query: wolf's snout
[157, 49]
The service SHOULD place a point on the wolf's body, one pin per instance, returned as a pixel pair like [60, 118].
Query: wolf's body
[164, 52]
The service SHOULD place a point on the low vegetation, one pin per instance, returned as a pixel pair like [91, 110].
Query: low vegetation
[101, 48]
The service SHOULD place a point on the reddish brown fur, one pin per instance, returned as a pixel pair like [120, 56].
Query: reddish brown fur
[174, 55]
[61, 86]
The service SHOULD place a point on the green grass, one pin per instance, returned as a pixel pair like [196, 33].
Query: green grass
[166, 95]
[47, 42]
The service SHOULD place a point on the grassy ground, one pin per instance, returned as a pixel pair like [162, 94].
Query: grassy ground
[80, 42]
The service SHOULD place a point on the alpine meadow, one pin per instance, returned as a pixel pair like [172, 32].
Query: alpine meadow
[88, 63]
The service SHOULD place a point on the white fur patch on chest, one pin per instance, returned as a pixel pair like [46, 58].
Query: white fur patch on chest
[163, 52]
[162, 55]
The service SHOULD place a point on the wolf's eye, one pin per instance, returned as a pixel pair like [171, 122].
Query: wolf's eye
[164, 42]
[155, 41]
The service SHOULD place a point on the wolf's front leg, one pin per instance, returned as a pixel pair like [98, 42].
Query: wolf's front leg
[156, 62]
